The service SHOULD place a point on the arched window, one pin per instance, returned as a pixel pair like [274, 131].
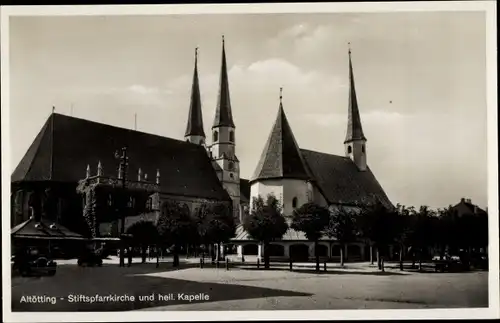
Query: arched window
[349, 149]
[231, 136]
[294, 202]
[231, 175]
[149, 204]
[216, 136]
[363, 148]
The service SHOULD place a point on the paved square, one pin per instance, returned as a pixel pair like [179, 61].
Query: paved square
[247, 289]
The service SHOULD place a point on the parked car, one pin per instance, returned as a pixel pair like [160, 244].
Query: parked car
[90, 258]
[449, 263]
[479, 261]
[34, 265]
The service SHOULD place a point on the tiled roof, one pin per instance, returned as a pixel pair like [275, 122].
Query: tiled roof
[66, 145]
[195, 117]
[354, 128]
[27, 229]
[467, 207]
[223, 114]
[244, 190]
[341, 182]
[280, 157]
[290, 235]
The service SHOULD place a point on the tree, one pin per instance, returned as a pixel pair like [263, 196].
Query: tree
[421, 237]
[265, 223]
[403, 229]
[377, 223]
[312, 219]
[143, 233]
[215, 224]
[176, 227]
[342, 227]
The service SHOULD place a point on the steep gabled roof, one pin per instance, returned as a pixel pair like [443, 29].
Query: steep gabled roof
[223, 113]
[281, 157]
[35, 165]
[73, 143]
[195, 118]
[341, 182]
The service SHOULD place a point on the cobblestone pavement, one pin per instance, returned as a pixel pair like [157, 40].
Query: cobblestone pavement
[357, 286]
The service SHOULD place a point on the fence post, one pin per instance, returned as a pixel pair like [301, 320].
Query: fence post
[258, 263]
[227, 263]
[291, 264]
[201, 262]
[324, 265]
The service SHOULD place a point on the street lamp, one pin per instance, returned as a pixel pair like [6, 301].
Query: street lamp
[122, 174]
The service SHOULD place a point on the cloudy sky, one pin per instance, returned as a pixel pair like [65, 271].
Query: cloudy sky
[420, 78]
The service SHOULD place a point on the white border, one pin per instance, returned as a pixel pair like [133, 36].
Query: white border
[489, 7]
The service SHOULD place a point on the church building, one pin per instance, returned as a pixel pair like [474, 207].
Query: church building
[70, 152]
[297, 176]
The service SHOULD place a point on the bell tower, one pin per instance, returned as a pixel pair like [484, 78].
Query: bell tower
[223, 149]
[355, 141]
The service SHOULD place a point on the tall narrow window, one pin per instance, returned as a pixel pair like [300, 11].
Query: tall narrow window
[349, 149]
[363, 148]
[216, 136]
[230, 166]
[231, 136]
[294, 202]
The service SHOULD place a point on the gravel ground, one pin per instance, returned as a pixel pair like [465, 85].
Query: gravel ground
[354, 287]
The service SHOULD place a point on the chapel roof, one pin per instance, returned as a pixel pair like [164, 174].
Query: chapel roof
[281, 157]
[341, 182]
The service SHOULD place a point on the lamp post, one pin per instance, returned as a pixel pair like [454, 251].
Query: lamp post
[122, 174]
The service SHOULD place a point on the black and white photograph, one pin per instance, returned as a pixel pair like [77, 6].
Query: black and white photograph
[235, 162]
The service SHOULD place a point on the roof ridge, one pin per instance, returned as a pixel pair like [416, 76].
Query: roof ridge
[126, 129]
[320, 152]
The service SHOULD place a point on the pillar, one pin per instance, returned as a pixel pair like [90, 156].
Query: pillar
[371, 254]
[239, 250]
[311, 249]
[260, 251]
[222, 254]
[362, 249]
[345, 252]
[286, 249]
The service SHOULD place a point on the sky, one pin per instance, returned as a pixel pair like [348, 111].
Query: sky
[420, 81]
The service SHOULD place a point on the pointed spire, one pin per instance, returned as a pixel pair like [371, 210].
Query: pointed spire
[281, 157]
[354, 129]
[87, 174]
[223, 114]
[195, 118]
